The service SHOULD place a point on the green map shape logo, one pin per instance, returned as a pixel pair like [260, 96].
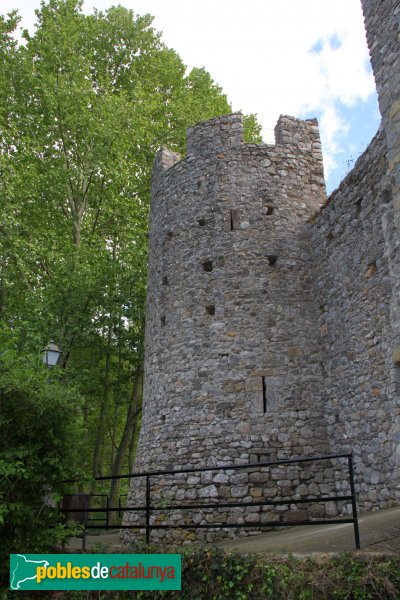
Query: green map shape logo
[24, 570]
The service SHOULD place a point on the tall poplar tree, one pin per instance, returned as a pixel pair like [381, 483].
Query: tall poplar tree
[86, 101]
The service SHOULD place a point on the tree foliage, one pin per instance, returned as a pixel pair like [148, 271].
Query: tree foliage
[40, 424]
[85, 103]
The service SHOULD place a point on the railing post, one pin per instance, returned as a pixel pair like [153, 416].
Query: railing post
[85, 519]
[147, 509]
[353, 501]
[107, 506]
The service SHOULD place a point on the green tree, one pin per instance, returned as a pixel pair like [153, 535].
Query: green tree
[40, 428]
[88, 99]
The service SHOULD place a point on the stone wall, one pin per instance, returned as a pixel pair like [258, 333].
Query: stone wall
[273, 327]
[354, 288]
[382, 21]
[233, 369]
[230, 306]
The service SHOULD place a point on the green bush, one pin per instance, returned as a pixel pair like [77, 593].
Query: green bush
[38, 433]
[215, 575]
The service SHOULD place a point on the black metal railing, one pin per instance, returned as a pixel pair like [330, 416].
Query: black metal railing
[148, 508]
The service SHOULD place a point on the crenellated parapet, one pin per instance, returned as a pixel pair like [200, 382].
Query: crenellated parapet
[216, 135]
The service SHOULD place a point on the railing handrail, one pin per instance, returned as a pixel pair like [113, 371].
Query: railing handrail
[148, 508]
[283, 461]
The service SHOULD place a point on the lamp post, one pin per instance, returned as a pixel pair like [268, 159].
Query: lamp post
[51, 354]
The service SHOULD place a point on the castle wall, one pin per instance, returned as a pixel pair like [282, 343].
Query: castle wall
[273, 327]
[231, 335]
[382, 22]
[233, 371]
[354, 289]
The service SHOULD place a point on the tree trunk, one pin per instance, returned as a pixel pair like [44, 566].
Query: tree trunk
[102, 423]
[132, 415]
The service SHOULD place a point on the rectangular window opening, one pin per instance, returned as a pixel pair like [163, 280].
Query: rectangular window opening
[208, 266]
[272, 258]
[264, 389]
[210, 309]
[234, 219]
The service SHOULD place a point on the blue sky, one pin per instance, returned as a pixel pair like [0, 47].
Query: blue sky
[362, 122]
[306, 58]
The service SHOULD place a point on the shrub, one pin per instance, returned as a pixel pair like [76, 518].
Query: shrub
[38, 431]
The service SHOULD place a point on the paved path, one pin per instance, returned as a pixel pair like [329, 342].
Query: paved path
[379, 532]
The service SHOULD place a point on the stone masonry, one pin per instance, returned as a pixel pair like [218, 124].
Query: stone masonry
[273, 320]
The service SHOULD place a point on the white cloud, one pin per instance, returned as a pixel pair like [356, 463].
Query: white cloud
[333, 128]
[259, 52]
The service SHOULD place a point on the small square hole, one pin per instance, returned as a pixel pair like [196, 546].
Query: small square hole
[210, 309]
[208, 266]
[272, 258]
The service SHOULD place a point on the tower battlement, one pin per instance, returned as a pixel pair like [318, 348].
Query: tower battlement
[215, 135]
[295, 159]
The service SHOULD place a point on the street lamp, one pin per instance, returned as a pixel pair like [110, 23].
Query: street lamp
[51, 354]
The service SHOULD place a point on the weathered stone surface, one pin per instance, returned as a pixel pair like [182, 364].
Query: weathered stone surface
[277, 333]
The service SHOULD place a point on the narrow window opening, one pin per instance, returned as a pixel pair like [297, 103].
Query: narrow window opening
[270, 210]
[208, 266]
[358, 207]
[210, 309]
[272, 258]
[165, 280]
[329, 237]
[170, 235]
[234, 219]
[387, 196]
[162, 321]
[264, 389]
[201, 222]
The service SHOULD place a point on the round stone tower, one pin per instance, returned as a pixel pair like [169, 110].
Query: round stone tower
[232, 369]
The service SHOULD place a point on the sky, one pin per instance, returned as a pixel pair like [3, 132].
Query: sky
[305, 58]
